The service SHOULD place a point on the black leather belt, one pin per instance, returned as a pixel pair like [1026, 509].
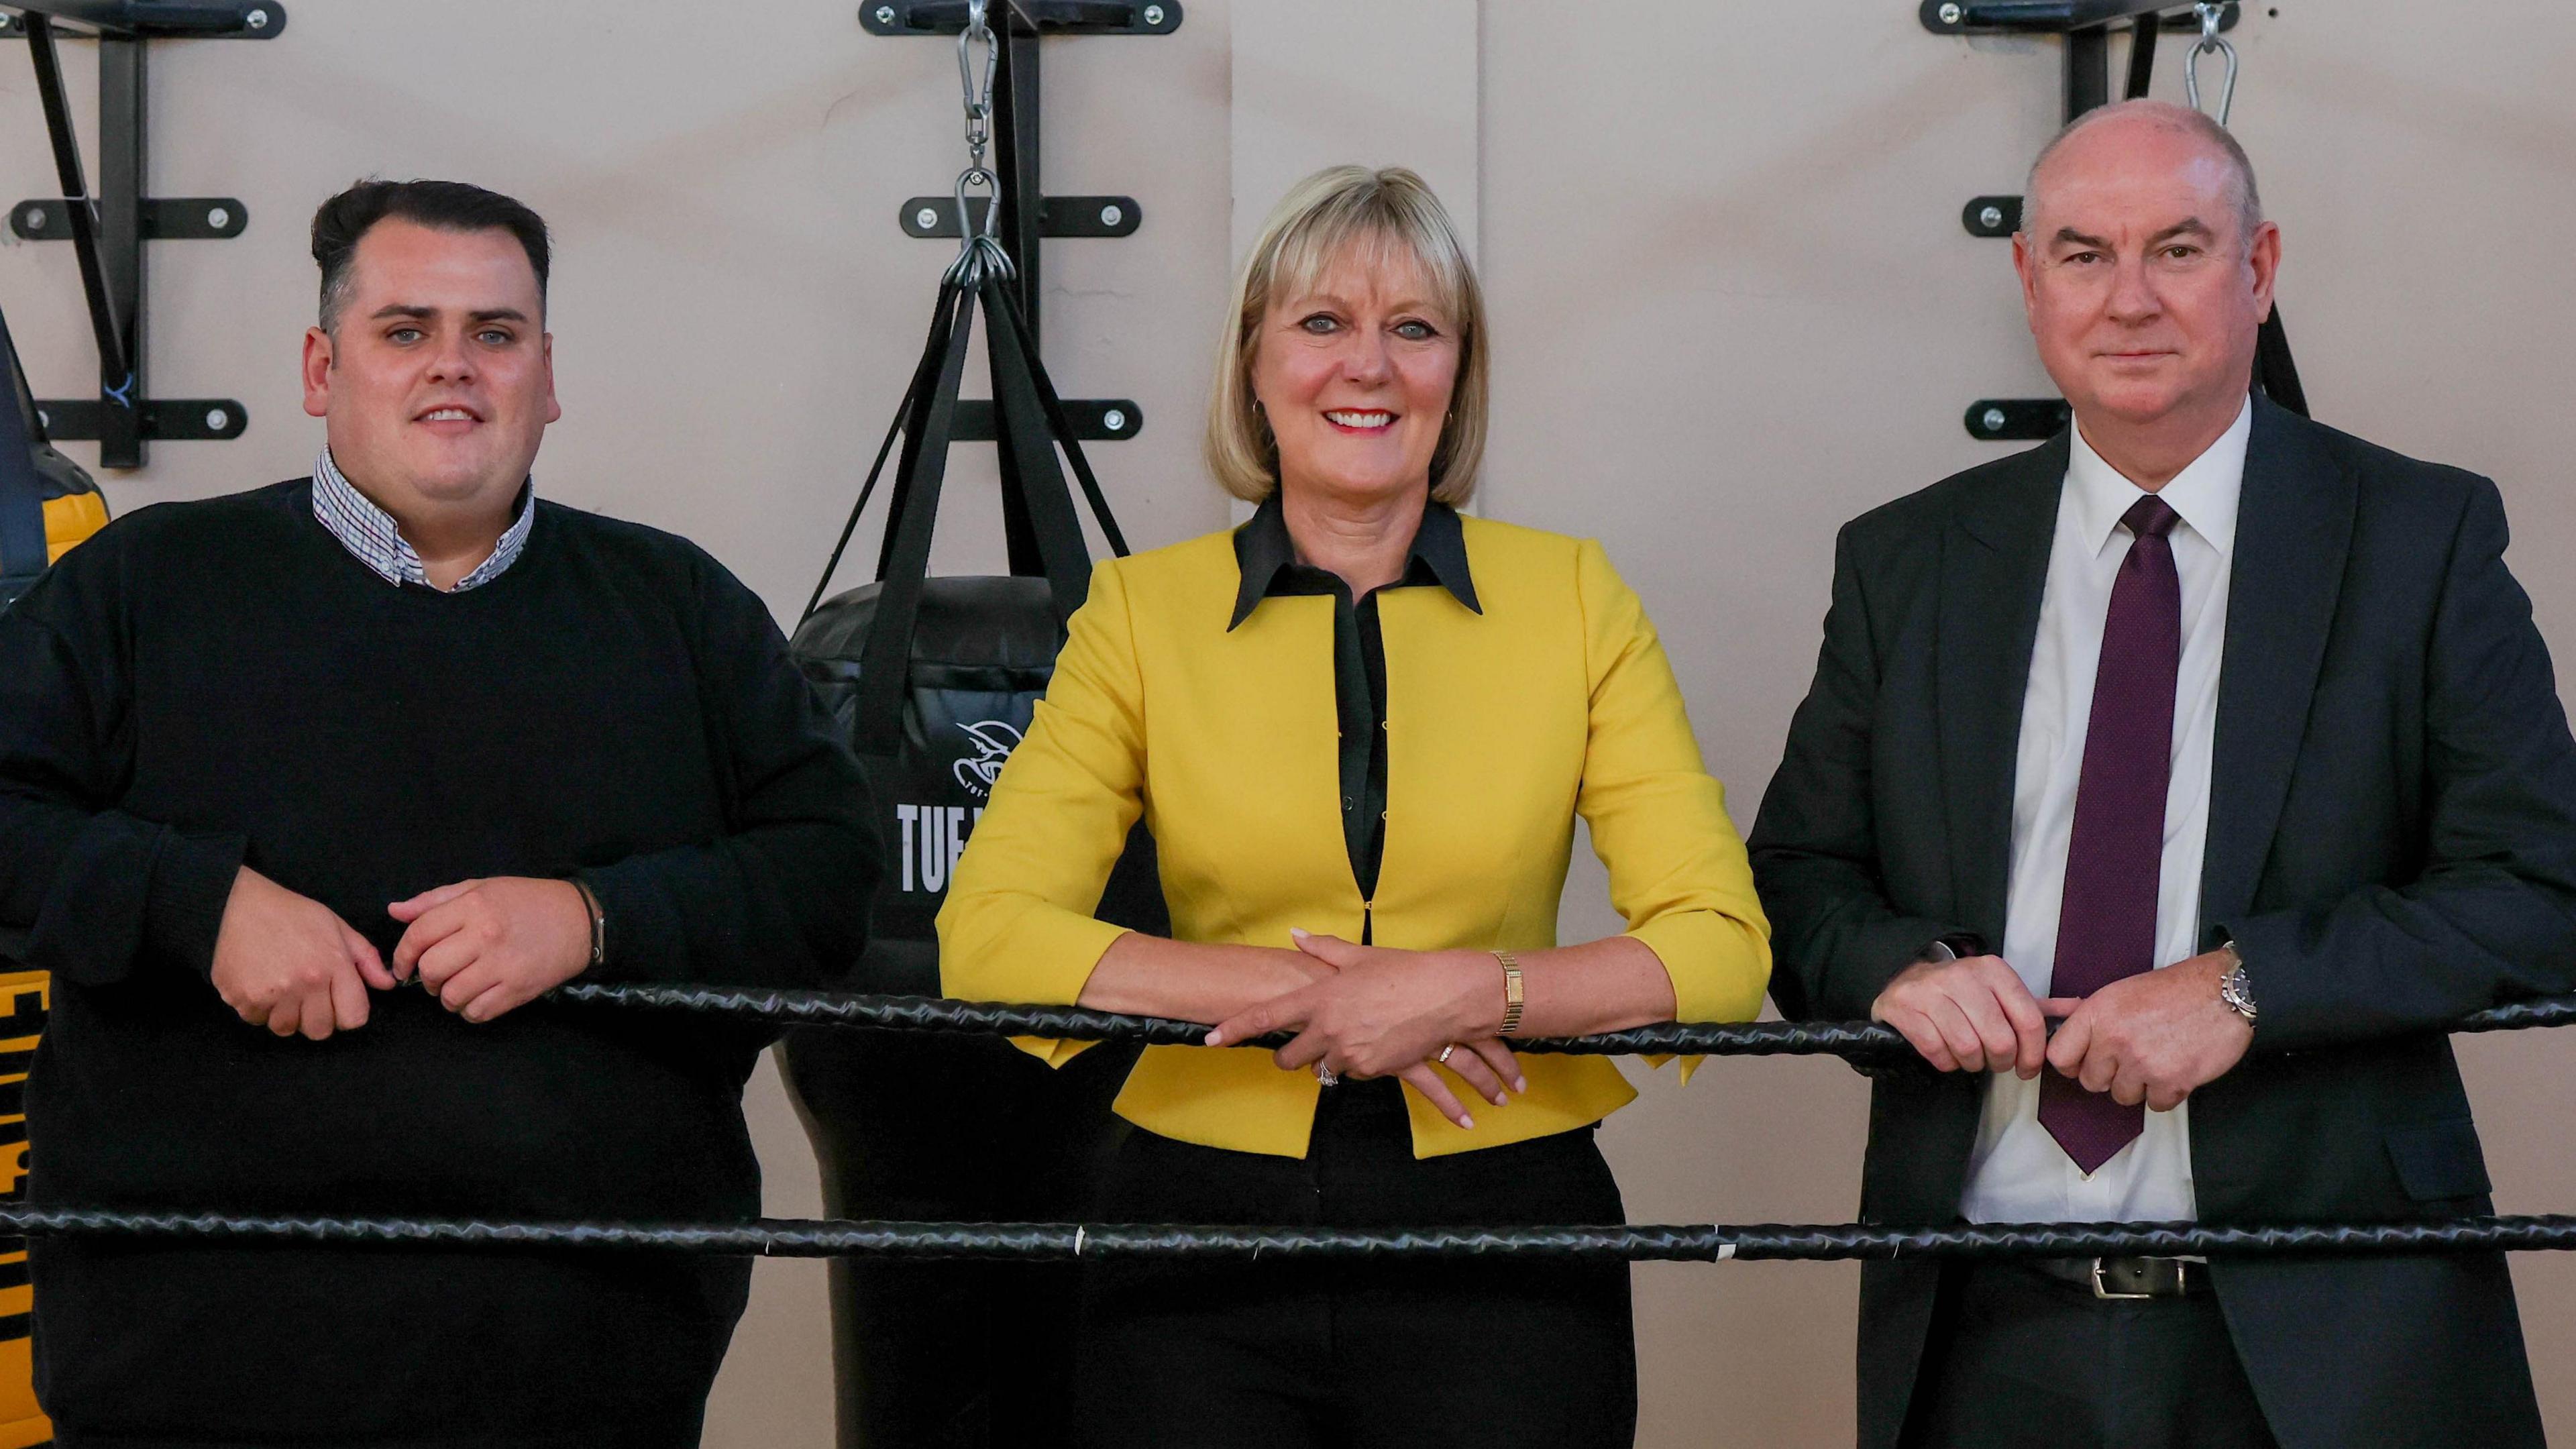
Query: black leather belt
[2123, 1279]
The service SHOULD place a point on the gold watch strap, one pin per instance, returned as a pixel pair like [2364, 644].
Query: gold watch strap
[1511, 992]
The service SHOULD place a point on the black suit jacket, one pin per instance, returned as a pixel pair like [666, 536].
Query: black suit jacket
[2392, 843]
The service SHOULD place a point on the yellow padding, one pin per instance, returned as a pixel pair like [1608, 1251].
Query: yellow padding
[24, 998]
[68, 520]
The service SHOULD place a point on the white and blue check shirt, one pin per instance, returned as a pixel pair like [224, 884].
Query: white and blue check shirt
[373, 538]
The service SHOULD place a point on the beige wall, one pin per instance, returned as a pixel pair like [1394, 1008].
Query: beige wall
[1733, 306]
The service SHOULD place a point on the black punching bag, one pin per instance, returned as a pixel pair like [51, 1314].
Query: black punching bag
[47, 504]
[931, 1127]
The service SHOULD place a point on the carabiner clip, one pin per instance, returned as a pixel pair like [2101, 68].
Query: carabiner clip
[2210, 41]
[978, 98]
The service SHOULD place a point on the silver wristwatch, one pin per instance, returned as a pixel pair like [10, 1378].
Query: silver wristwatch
[2234, 989]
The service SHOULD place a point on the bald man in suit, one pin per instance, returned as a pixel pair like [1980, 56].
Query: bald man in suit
[2227, 740]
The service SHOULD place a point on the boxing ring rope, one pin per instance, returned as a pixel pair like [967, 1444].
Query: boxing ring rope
[1025, 1242]
[1866, 1044]
[1862, 1042]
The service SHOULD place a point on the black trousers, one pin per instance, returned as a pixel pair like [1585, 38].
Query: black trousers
[1413, 1355]
[2019, 1359]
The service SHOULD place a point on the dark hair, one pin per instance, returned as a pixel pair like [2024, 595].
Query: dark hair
[445, 205]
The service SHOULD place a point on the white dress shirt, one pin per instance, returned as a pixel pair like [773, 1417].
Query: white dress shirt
[2018, 1173]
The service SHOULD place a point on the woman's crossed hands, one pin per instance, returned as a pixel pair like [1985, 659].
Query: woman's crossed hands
[1389, 1013]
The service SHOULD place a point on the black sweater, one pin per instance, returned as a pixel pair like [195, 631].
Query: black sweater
[206, 685]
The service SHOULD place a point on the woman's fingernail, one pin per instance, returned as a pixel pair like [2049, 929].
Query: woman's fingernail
[1211, 1037]
[1296, 934]
[1466, 1121]
[1520, 1084]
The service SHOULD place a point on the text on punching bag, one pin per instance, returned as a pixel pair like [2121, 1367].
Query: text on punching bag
[932, 838]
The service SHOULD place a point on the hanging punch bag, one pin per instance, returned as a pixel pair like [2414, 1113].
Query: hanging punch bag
[933, 681]
[47, 504]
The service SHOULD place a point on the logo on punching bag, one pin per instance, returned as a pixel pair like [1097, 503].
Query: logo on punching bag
[930, 838]
[992, 741]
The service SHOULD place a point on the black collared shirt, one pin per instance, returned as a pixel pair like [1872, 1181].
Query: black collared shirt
[1268, 559]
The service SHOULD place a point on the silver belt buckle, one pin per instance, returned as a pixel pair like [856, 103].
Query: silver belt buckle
[2104, 1291]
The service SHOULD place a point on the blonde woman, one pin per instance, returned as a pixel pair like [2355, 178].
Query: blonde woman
[1361, 728]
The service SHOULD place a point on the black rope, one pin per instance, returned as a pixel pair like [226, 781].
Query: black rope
[809, 1238]
[1855, 1040]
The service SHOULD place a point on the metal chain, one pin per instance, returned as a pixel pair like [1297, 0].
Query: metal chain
[981, 254]
[2210, 42]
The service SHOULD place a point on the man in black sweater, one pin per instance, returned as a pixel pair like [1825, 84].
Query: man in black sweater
[307, 797]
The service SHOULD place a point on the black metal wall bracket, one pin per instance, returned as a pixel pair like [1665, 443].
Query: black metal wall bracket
[165, 218]
[182, 420]
[1017, 26]
[2001, 419]
[1094, 419]
[1052, 17]
[153, 19]
[1991, 216]
[1058, 216]
[2088, 26]
[2054, 17]
[107, 229]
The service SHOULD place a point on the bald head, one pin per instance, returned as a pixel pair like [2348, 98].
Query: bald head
[2132, 134]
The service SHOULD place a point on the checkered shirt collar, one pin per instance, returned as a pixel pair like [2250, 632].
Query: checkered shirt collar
[373, 538]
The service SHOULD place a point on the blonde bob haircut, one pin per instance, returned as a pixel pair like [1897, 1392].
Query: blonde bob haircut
[1394, 221]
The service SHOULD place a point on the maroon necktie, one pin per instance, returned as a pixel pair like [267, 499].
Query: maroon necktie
[2115, 857]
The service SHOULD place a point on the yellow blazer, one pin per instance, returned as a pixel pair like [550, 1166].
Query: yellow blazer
[1501, 728]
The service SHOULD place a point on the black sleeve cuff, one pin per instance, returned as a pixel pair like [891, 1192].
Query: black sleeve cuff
[192, 882]
[643, 936]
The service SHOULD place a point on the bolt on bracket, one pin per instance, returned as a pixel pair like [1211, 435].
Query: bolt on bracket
[1999, 420]
[1991, 216]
